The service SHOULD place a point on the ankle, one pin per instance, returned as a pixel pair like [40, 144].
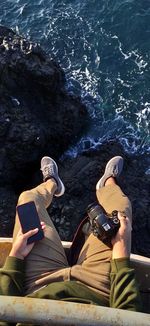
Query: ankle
[52, 182]
[110, 181]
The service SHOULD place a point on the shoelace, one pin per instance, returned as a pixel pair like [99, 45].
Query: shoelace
[115, 171]
[48, 170]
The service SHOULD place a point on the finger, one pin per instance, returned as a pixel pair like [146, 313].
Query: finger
[43, 225]
[124, 221]
[30, 233]
[128, 222]
[121, 216]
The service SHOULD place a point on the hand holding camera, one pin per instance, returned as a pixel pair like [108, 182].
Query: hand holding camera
[114, 227]
[103, 226]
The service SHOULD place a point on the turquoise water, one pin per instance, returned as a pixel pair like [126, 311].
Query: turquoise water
[104, 48]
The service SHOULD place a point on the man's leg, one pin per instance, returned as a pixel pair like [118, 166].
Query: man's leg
[47, 256]
[112, 198]
[108, 193]
[93, 265]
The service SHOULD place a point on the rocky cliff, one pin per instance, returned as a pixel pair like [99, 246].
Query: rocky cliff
[37, 117]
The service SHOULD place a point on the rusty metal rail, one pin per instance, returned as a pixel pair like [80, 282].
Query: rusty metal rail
[60, 313]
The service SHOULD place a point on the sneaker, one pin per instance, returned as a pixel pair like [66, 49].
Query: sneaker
[49, 170]
[113, 169]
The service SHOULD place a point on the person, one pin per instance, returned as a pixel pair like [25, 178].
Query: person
[101, 275]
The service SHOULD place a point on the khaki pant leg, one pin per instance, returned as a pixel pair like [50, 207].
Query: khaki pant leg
[112, 198]
[47, 255]
[93, 265]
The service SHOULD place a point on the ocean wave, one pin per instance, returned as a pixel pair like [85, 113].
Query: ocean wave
[107, 132]
[103, 46]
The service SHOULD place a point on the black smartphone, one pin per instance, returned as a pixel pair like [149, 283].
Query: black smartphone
[29, 220]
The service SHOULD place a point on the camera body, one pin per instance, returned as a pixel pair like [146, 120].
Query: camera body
[103, 226]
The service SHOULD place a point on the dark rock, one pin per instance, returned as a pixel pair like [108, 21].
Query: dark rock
[37, 115]
[8, 201]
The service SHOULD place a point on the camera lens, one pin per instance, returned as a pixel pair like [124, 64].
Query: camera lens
[93, 210]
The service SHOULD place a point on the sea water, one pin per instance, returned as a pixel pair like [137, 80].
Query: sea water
[104, 48]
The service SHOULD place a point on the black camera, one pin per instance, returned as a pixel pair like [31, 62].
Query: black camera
[103, 226]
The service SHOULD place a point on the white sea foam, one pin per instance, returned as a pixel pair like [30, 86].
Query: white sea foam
[110, 74]
[104, 132]
[15, 100]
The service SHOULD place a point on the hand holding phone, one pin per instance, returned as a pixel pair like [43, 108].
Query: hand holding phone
[20, 248]
[29, 220]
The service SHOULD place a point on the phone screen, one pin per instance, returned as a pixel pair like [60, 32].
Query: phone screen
[29, 220]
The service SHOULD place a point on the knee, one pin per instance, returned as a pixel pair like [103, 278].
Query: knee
[25, 197]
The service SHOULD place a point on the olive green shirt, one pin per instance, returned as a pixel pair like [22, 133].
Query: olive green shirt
[124, 293]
